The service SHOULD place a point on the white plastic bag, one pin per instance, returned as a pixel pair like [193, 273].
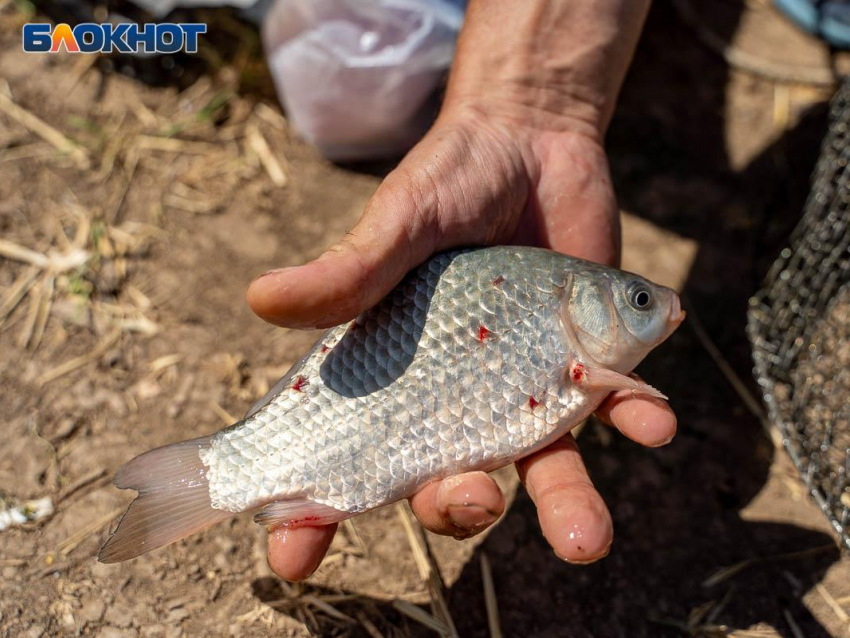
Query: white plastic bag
[355, 75]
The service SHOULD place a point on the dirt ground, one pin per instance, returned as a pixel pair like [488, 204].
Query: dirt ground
[177, 193]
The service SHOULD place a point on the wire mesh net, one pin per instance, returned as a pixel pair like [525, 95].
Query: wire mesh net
[799, 327]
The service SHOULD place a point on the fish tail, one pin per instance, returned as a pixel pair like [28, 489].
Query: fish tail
[173, 500]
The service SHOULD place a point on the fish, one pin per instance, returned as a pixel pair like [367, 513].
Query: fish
[477, 358]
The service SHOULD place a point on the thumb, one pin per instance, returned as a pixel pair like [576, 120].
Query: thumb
[396, 233]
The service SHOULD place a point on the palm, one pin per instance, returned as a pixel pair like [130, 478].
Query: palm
[506, 184]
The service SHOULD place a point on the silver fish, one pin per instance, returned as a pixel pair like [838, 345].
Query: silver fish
[477, 358]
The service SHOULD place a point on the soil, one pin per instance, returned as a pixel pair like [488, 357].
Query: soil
[152, 343]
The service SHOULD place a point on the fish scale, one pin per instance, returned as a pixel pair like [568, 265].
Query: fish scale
[477, 358]
[414, 387]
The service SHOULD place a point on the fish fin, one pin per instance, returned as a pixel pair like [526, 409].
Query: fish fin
[592, 379]
[298, 512]
[173, 500]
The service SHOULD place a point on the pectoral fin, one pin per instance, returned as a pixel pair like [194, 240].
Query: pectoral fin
[593, 379]
[298, 512]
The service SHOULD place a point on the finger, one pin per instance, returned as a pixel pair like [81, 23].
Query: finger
[295, 553]
[645, 420]
[444, 194]
[573, 517]
[402, 225]
[392, 237]
[459, 506]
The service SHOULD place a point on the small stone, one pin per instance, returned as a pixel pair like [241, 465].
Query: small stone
[119, 615]
[226, 544]
[146, 389]
[68, 622]
[65, 428]
[108, 278]
[33, 632]
[92, 611]
[178, 615]
[102, 571]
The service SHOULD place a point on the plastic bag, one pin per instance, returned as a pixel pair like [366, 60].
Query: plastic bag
[355, 75]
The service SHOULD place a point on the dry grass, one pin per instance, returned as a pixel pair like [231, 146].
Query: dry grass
[702, 620]
[490, 598]
[428, 571]
[43, 130]
[92, 249]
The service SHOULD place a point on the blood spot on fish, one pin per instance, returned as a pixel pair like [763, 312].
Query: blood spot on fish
[300, 383]
[324, 348]
[483, 333]
[305, 521]
[498, 280]
[532, 402]
[578, 373]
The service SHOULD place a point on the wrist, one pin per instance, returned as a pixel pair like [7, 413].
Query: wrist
[549, 64]
[523, 110]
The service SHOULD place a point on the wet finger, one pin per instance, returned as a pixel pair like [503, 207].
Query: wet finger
[572, 514]
[459, 506]
[295, 553]
[645, 420]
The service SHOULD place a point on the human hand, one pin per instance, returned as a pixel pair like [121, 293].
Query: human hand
[515, 157]
[474, 179]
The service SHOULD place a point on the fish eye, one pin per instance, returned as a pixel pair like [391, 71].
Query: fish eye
[639, 296]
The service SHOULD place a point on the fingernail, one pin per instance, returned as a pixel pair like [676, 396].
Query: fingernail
[591, 559]
[662, 443]
[276, 271]
[467, 504]
[471, 518]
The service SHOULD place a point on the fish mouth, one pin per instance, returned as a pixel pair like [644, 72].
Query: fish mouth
[677, 315]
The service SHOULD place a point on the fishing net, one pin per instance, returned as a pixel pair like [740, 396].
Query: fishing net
[799, 327]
